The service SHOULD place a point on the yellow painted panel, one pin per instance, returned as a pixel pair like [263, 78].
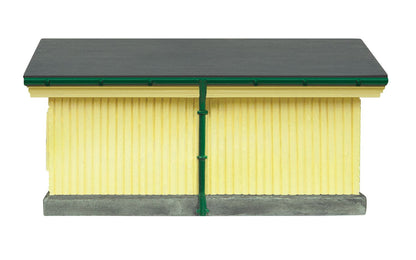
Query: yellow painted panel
[122, 146]
[254, 145]
[293, 91]
[213, 91]
[355, 140]
[114, 91]
[283, 146]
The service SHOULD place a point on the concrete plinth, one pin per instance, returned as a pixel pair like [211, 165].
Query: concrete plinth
[219, 205]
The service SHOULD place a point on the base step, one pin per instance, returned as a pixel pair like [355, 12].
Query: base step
[218, 205]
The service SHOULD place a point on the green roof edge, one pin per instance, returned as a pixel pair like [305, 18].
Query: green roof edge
[295, 81]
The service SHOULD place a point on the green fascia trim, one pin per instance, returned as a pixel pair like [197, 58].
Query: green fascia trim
[111, 81]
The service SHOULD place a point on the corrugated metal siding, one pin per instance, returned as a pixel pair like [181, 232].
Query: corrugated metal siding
[122, 145]
[283, 146]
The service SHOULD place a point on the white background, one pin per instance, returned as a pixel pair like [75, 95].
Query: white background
[388, 171]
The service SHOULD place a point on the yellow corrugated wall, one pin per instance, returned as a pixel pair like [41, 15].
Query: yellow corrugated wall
[283, 146]
[122, 145]
[254, 145]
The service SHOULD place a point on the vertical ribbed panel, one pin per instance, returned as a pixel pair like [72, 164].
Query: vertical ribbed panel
[254, 146]
[122, 145]
[283, 146]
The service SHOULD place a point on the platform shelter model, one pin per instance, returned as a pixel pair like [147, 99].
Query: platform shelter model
[204, 126]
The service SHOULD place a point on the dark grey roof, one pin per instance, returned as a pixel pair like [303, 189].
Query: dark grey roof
[203, 58]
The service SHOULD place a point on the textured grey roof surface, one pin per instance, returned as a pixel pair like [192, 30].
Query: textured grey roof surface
[203, 58]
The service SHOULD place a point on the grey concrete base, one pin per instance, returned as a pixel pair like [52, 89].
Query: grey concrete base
[287, 205]
[219, 205]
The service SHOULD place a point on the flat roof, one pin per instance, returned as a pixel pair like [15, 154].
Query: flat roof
[85, 60]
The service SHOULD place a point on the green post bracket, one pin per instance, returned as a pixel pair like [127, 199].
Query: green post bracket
[202, 112]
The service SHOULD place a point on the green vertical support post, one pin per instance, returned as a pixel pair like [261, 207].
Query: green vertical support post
[202, 112]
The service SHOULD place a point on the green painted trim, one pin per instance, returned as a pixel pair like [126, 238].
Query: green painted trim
[111, 81]
[202, 112]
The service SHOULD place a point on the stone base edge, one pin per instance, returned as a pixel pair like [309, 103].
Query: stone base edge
[218, 205]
